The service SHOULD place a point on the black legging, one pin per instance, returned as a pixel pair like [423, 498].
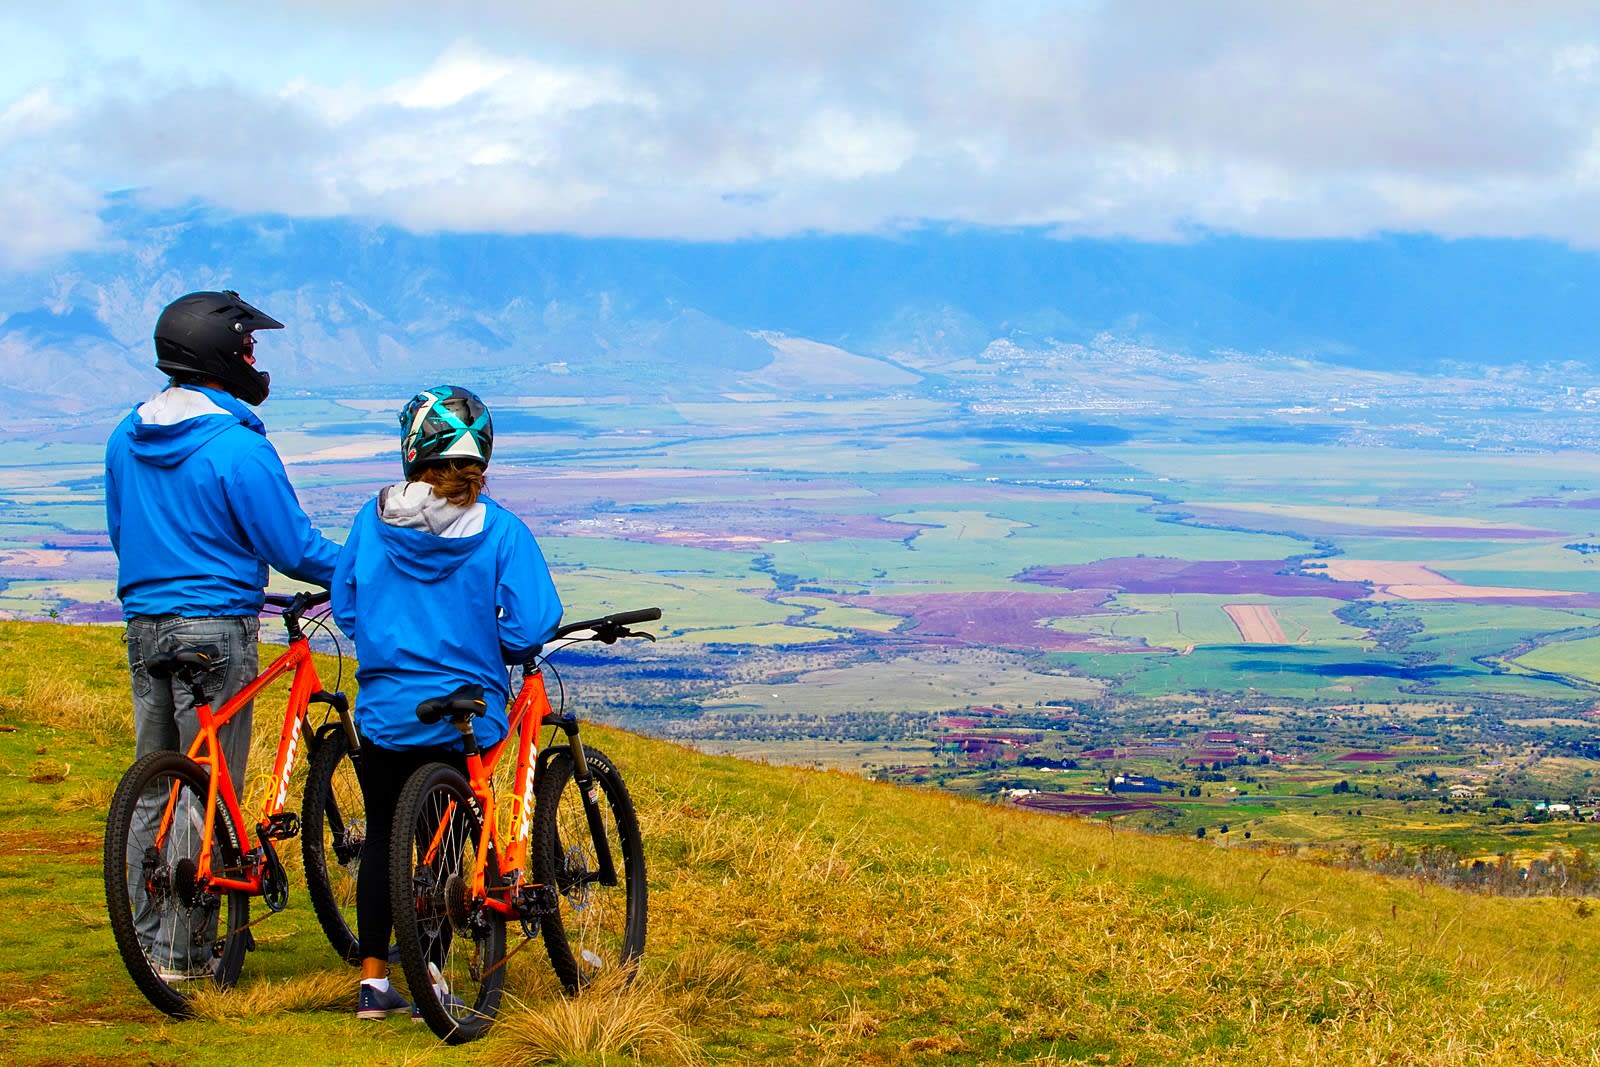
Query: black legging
[383, 773]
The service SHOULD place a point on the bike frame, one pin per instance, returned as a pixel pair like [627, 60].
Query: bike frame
[206, 751]
[529, 710]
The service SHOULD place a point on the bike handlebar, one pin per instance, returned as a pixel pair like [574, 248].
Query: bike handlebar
[293, 606]
[618, 622]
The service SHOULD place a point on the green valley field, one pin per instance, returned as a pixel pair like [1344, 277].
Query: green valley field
[973, 580]
[809, 917]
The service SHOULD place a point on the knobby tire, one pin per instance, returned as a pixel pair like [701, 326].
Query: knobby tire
[434, 921]
[149, 883]
[599, 929]
[333, 830]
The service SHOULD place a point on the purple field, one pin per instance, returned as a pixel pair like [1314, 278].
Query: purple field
[1163, 574]
[1007, 620]
[1083, 803]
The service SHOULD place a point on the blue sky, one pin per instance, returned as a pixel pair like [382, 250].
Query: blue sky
[715, 119]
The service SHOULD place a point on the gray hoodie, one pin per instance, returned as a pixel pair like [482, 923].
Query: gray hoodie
[416, 506]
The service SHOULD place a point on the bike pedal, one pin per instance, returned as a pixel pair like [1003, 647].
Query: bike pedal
[538, 900]
[283, 825]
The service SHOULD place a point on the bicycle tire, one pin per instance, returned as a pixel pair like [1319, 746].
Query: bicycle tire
[444, 938]
[333, 818]
[157, 912]
[598, 928]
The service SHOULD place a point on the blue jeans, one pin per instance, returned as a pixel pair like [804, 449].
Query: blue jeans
[176, 938]
[163, 708]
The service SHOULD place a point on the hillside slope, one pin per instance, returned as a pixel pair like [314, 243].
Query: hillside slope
[803, 917]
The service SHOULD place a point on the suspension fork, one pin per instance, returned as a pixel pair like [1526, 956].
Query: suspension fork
[589, 790]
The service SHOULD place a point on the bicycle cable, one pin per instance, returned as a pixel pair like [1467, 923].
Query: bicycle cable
[542, 663]
[320, 622]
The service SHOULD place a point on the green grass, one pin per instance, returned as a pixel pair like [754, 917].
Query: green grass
[806, 917]
[1580, 658]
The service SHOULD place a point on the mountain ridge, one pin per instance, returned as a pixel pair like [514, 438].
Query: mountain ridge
[367, 303]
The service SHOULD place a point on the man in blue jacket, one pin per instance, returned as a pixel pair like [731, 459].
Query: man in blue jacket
[198, 506]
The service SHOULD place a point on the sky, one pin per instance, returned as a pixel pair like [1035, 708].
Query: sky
[726, 119]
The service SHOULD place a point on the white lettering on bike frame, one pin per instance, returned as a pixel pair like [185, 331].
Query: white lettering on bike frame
[288, 767]
[527, 809]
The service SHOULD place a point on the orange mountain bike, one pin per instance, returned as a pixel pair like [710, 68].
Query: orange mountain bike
[181, 862]
[569, 863]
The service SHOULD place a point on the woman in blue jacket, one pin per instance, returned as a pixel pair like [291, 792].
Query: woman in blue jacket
[439, 587]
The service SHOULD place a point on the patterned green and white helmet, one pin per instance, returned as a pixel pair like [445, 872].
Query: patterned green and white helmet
[443, 424]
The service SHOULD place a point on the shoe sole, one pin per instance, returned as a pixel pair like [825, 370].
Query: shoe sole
[374, 1014]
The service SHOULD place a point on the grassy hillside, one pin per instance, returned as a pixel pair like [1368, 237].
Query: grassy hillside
[813, 918]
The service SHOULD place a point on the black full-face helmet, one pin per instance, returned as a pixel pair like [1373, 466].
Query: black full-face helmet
[443, 424]
[204, 336]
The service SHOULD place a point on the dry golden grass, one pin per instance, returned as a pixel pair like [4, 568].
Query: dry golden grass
[812, 918]
[317, 991]
[611, 1019]
[882, 926]
[57, 697]
[89, 794]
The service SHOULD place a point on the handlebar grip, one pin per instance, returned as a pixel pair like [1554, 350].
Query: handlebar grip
[628, 618]
[613, 622]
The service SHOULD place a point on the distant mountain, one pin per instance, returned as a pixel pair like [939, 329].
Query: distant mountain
[381, 306]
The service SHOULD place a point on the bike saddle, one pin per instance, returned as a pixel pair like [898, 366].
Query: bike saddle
[194, 657]
[458, 706]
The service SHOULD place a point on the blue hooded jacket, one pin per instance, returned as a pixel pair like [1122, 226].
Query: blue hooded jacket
[198, 504]
[430, 613]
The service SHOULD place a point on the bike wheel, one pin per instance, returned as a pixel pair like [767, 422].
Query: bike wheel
[175, 934]
[600, 924]
[333, 831]
[452, 949]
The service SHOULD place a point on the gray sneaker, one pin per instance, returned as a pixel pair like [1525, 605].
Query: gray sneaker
[374, 1003]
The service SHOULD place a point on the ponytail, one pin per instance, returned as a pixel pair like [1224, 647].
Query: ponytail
[458, 481]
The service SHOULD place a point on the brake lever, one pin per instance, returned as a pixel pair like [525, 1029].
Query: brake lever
[610, 635]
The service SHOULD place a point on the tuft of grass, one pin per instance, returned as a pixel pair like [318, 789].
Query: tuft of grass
[317, 991]
[705, 984]
[91, 794]
[611, 1019]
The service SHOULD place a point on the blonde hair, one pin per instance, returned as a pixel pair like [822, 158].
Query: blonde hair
[458, 481]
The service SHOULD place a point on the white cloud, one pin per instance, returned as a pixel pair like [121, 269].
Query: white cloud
[462, 71]
[716, 119]
[45, 215]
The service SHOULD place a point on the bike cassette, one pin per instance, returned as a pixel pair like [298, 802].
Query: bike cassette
[456, 904]
[186, 885]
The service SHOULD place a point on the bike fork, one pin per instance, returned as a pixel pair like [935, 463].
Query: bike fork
[589, 790]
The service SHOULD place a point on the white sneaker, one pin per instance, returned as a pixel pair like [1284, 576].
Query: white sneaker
[194, 973]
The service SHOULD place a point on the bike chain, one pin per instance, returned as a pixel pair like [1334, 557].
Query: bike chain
[526, 941]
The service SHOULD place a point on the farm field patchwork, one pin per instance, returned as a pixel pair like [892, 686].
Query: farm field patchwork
[894, 559]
